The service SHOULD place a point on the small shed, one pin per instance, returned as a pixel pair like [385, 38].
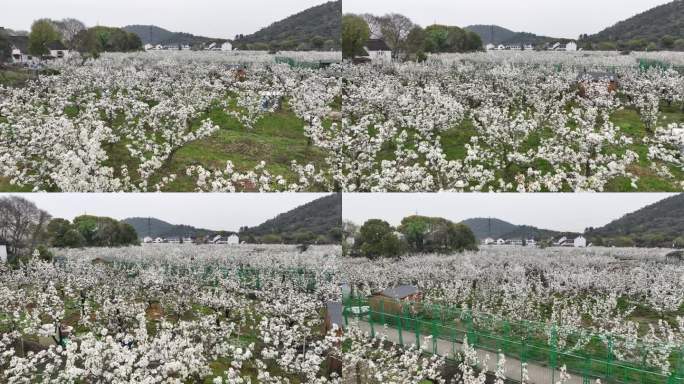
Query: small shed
[392, 300]
[585, 78]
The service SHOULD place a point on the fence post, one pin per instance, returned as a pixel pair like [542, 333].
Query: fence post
[609, 359]
[382, 312]
[401, 337]
[370, 320]
[434, 336]
[554, 353]
[417, 329]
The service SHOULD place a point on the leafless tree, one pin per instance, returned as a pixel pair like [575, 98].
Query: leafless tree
[395, 28]
[373, 24]
[68, 28]
[22, 225]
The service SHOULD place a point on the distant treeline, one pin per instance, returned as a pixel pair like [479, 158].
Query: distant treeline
[407, 40]
[416, 234]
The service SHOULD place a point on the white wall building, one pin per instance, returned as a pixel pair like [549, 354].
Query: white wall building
[3, 253]
[580, 242]
[148, 240]
[488, 241]
[378, 51]
[233, 239]
[501, 242]
[490, 47]
[227, 46]
[571, 46]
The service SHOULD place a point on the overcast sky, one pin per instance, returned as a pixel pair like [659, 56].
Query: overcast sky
[558, 211]
[211, 18]
[217, 211]
[555, 18]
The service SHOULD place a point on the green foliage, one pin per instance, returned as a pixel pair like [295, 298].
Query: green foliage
[436, 234]
[319, 221]
[651, 29]
[442, 38]
[5, 48]
[271, 238]
[42, 34]
[90, 231]
[355, 34]
[302, 31]
[377, 239]
[657, 225]
[44, 254]
[95, 40]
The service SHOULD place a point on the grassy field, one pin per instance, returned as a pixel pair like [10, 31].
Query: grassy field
[277, 138]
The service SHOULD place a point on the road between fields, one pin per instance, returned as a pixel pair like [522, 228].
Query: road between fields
[538, 374]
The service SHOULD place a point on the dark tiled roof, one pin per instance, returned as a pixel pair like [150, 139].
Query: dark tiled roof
[400, 292]
[334, 309]
[19, 42]
[56, 45]
[377, 45]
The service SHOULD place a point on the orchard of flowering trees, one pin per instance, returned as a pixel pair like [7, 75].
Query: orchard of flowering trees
[115, 124]
[526, 121]
[171, 314]
[631, 300]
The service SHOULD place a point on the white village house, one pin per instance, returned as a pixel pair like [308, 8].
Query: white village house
[229, 240]
[3, 253]
[148, 240]
[488, 241]
[378, 51]
[227, 46]
[580, 242]
[58, 50]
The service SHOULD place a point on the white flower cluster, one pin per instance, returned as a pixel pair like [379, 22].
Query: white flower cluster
[114, 124]
[588, 295]
[169, 314]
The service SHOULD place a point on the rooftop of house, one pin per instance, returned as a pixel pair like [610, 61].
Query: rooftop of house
[400, 291]
[56, 45]
[19, 42]
[377, 45]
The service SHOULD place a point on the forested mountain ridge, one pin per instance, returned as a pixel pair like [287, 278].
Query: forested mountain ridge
[158, 228]
[657, 225]
[152, 34]
[661, 27]
[494, 34]
[317, 28]
[317, 221]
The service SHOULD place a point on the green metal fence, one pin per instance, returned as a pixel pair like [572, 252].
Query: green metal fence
[528, 342]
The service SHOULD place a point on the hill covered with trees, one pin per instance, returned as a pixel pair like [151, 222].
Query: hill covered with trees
[158, 228]
[152, 34]
[661, 28]
[494, 34]
[319, 221]
[317, 28]
[658, 225]
[505, 230]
